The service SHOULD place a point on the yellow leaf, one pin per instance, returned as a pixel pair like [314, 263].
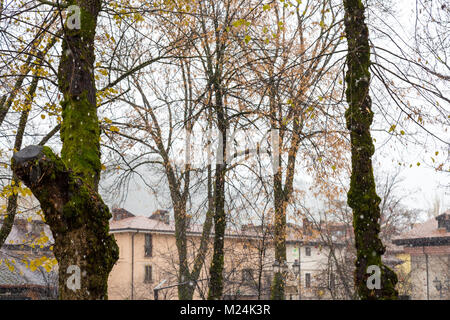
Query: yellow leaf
[392, 128]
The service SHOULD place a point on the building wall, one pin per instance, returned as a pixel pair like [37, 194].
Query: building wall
[240, 254]
[403, 272]
[427, 264]
[314, 264]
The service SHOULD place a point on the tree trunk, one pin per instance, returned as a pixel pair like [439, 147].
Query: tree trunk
[362, 197]
[280, 204]
[77, 217]
[67, 188]
[13, 198]
[217, 264]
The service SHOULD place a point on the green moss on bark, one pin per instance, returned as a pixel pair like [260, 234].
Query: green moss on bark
[80, 134]
[362, 196]
[78, 219]
[66, 187]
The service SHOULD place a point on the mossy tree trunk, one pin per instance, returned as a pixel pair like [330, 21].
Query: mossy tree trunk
[280, 204]
[362, 196]
[217, 264]
[282, 192]
[66, 187]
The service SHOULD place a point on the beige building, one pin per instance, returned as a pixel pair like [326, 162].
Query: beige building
[428, 245]
[148, 258]
[309, 251]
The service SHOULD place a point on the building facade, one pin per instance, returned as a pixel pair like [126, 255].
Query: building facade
[428, 245]
[148, 257]
[314, 251]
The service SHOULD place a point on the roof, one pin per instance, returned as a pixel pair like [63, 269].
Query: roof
[22, 276]
[311, 234]
[24, 232]
[155, 225]
[16, 274]
[426, 233]
[392, 248]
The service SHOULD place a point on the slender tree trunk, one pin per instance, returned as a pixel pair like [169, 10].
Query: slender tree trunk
[181, 241]
[207, 226]
[67, 188]
[5, 103]
[362, 197]
[280, 205]
[217, 264]
[186, 278]
[13, 198]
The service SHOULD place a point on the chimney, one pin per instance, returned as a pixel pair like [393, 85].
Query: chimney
[22, 226]
[37, 227]
[120, 213]
[188, 221]
[444, 221]
[307, 230]
[161, 215]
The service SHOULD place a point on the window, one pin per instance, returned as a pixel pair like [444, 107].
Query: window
[307, 280]
[332, 281]
[247, 275]
[308, 251]
[268, 279]
[148, 245]
[148, 274]
[37, 229]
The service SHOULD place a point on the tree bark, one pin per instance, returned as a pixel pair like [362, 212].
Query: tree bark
[280, 204]
[13, 198]
[217, 265]
[66, 187]
[362, 196]
[78, 219]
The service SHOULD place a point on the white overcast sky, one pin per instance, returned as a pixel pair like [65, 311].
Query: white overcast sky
[421, 183]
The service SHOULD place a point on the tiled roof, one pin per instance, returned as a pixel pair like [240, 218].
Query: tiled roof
[24, 232]
[391, 248]
[148, 224]
[312, 235]
[427, 232]
[141, 223]
[20, 275]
